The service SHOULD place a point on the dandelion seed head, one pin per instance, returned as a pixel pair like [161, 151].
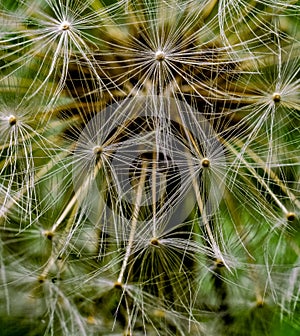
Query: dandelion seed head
[150, 170]
[276, 97]
[160, 55]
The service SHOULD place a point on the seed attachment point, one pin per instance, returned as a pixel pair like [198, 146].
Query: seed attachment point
[91, 320]
[41, 278]
[118, 285]
[219, 263]
[160, 55]
[260, 303]
[291, 216]
[49, 234]
[65, 25]
[276, 97]
[205, 163]
[97, 150]
[154, 242]
[12, 120]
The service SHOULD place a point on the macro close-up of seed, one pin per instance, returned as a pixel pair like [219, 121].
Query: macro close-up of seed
[149, 168]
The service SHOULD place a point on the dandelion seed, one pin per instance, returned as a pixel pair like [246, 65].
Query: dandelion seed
[156, 52]
[59, 33]
[21, 135]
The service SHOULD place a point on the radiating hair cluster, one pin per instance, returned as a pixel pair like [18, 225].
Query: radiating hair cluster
[149, 167]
